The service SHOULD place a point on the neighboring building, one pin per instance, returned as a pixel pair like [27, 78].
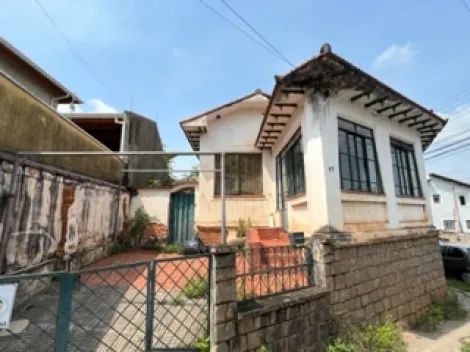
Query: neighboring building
[449, 203]
[127, 131]
[332, 149]
[31, 77]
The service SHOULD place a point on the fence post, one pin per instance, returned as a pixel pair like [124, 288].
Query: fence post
[64, 312]
[223, 298]
[150, 305]
[322, 255]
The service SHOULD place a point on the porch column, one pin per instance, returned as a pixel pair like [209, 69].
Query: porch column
[320, 142]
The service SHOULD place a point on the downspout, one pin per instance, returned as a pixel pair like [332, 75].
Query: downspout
[55, 100]
[458, 227]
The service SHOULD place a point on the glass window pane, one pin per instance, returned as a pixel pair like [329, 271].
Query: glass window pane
[347, 185]
[354, 168]
[345, 125]
[344, 165]
[363, 131]
[362, 170]
[351, 145]
[372, 172]
[370, 149]
[342, 140]
[359, 149]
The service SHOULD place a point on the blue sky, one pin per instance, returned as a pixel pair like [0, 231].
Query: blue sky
[177, 58]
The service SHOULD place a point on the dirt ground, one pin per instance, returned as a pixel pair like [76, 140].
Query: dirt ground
[448, 336]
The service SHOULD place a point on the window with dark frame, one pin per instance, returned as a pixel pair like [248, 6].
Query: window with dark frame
[359, 167]
[405, 170]
[449, 224]
[462, 200]
[290, 178]
[467, 222]
[243, 174]
[436, 198]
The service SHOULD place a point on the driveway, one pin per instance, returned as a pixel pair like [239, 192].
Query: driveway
[448, 336]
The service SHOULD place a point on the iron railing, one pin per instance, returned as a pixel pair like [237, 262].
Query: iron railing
[265, 271]
[145, 306]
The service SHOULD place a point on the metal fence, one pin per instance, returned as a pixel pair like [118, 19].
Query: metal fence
[264, 271]
[146, 306]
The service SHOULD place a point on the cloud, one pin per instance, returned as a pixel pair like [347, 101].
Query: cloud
[396, 55]
[92, 106]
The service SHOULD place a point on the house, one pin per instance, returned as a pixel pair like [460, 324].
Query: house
[331, 149]
[33, 78]
[449, 203]
[127, 131]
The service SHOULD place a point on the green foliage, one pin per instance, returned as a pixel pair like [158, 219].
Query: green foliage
[170, 248]
[459, 285]
[242, 292]
[203, 343]
[262, 349]
[442, 308]
[465, 347]
[242, 227]
[136, 230]
[178, 300]
[383, 337]
[195, 288]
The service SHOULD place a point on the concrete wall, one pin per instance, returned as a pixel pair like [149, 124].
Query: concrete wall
[235, 132]
[143, 135]
[449, 205]
[394, 276]
[326, 204]
[27, 124]
[82, 218]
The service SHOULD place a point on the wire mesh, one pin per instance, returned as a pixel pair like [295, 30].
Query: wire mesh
[265, 271]
[181, 306]
[117, 308]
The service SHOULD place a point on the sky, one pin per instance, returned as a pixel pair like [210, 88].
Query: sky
[175, 58]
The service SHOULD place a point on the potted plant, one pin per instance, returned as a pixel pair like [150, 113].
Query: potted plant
[241, 232]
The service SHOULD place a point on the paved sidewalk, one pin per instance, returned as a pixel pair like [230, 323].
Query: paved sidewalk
[446, 339]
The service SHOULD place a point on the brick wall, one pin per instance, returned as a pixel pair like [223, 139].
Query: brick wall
[393, 276]
[357, 283]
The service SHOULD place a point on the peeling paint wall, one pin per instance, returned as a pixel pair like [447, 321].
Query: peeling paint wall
[39, 218]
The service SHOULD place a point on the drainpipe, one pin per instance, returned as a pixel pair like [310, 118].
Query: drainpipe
[55, 100]
[458, 227]
[123, 122]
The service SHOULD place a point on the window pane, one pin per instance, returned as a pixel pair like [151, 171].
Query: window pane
[364, 131]
[345, 125]
[370, 149]
[343, 144]
[362, 170]
[354, 168]
[250, 174]
[291, 164]
[372, 172]
[344, 164]
[351, 145]
[347, 185]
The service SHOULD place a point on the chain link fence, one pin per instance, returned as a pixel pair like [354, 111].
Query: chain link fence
[155, 305]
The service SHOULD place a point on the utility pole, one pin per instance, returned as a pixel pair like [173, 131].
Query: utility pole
[458, 227]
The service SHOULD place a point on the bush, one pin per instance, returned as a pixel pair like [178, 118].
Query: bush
[383, 337]
[203, 343]
[170, 248]
[442, 308]
[195, 288]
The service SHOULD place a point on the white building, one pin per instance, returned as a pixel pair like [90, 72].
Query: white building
[449, 203]
[331, 149]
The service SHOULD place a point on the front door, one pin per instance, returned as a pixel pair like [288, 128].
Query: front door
[181, 222]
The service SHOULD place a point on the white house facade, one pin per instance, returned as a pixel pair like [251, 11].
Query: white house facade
[449, 203]
[337, 150]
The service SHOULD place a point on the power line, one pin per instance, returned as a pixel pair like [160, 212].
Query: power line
[447, 138]
[446, 152]
[77, 54]
[447, 146]
[226, 19]
[257, 32]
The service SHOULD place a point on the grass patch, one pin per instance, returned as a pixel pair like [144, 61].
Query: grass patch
[203, 343]
[195, 288]
[170, 248]
[442, 308]
[465, 347]
[382, 337]
[459, 285]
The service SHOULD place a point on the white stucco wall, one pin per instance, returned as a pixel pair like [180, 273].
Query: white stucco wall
[154, 202]
[327, 205]
[446, 209]
[234, 132]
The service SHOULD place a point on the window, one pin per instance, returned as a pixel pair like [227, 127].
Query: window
[467, 222]
[358, 158]
[405, 171]
[436, 198]
[449, 224]
[290, 178]
[462, 200]
[243, 174]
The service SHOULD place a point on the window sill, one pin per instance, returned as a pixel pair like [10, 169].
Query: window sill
[362, 196]
[411, 200]
[243, 196]
[297, 196]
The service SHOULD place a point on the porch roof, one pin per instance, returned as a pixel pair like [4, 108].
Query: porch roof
[328, 73]
[196, 125]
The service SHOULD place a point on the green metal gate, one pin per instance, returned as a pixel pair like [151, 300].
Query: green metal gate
[159, 305]
[181, 215]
